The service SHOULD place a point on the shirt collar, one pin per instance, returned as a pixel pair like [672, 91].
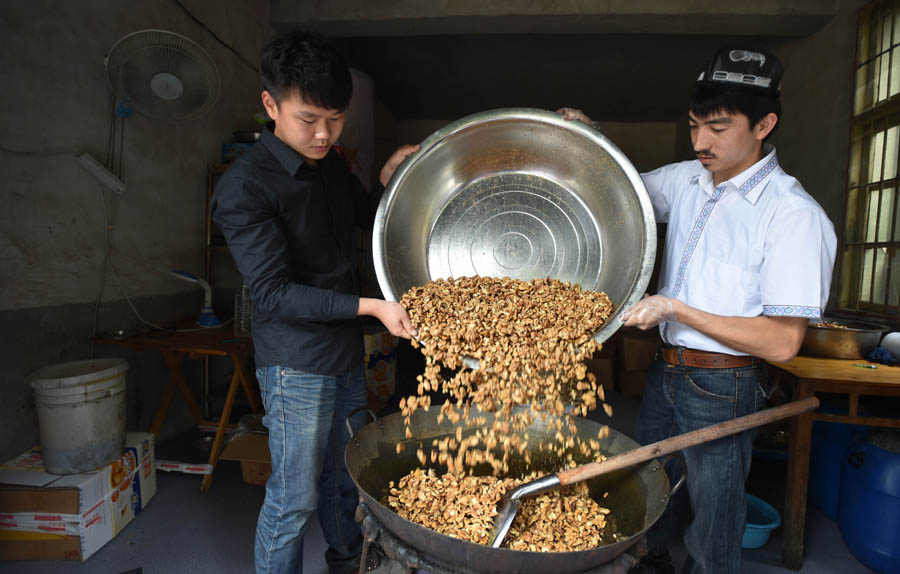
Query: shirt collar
[750, 182]
[286, 156]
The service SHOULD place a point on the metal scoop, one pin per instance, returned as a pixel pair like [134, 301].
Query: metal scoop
[509, 504]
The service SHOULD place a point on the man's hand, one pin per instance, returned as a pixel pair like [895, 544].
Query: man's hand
[391, 314]
[573, 114]
[649, 312]
[390, 166]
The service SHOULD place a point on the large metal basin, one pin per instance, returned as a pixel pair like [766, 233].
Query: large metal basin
[518, 193]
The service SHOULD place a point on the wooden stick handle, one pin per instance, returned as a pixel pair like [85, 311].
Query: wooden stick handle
[693, 438]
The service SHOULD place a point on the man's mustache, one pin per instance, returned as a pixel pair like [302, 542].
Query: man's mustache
[704, 153]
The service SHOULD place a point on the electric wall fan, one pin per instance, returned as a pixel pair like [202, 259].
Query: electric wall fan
[162, 75]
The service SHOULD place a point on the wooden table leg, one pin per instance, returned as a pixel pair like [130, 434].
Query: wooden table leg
[797, 477]
[223, 423]
[174, 364]
[240, 367]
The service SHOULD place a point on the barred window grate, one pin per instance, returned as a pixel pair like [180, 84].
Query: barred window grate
[870, 262]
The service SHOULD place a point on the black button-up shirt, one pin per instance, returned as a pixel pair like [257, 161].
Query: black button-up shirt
[290, 228]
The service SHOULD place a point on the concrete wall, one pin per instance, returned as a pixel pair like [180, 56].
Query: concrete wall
[56, 103]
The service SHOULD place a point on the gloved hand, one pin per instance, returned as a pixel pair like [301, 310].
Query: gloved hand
[649, 312]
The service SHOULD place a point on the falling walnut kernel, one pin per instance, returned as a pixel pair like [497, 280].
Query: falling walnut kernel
[531, 339]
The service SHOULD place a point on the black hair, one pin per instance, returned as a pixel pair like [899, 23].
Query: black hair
[706, 101]
[305, 63]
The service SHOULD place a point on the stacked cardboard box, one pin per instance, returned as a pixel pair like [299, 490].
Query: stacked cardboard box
[636, 350]
[45, 516]
[603, 364]
[381, 366]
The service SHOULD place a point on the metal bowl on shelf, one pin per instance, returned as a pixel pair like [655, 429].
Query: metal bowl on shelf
[838, 338]
[518, 193]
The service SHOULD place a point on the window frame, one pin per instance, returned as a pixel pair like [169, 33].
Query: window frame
[875, 109]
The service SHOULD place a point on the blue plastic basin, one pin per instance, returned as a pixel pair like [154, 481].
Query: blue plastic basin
[762, 519]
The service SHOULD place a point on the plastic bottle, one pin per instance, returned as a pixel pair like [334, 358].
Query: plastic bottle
[243, 311]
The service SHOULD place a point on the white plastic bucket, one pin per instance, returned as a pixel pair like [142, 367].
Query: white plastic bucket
[81, 413]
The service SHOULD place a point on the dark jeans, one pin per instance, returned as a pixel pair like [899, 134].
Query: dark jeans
[681, 399]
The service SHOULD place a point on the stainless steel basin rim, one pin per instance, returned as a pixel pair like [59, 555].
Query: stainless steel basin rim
[521, 193]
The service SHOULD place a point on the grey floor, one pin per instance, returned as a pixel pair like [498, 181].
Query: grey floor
[184, 530]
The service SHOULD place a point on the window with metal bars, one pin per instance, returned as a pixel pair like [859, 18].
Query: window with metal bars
[870, 262]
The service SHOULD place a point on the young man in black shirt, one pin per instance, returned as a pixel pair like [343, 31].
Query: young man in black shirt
[288, 209]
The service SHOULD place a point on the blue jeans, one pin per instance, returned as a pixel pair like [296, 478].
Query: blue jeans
[679, 399]
[305, 415]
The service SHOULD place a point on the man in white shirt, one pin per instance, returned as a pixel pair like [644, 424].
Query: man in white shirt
[747, 263]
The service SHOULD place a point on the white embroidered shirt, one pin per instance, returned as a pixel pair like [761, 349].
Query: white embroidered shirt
[758, 244]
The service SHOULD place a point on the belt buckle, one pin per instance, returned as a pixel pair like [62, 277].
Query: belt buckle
[672, 352]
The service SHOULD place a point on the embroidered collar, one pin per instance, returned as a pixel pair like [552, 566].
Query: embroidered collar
[750, 182]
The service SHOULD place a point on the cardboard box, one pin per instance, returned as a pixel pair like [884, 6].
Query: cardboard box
[256, 473]
[45, 516]
[252, 450]
[637, 349]
[604, 370]
[381, 366]
[631, 384]
[608, 348]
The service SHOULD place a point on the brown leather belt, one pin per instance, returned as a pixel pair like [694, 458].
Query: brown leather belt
[705, 359]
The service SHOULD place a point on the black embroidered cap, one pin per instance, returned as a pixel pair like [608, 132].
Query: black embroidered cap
[753, 70]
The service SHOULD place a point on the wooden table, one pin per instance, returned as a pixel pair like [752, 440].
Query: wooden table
[178, 346]
[808, 376]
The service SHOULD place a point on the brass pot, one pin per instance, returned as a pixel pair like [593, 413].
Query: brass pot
[838, 338]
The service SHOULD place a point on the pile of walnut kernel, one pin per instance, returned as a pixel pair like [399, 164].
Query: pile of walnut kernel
[531, 339]
[464, 507]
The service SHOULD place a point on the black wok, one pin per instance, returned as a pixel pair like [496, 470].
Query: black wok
[637, 495]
